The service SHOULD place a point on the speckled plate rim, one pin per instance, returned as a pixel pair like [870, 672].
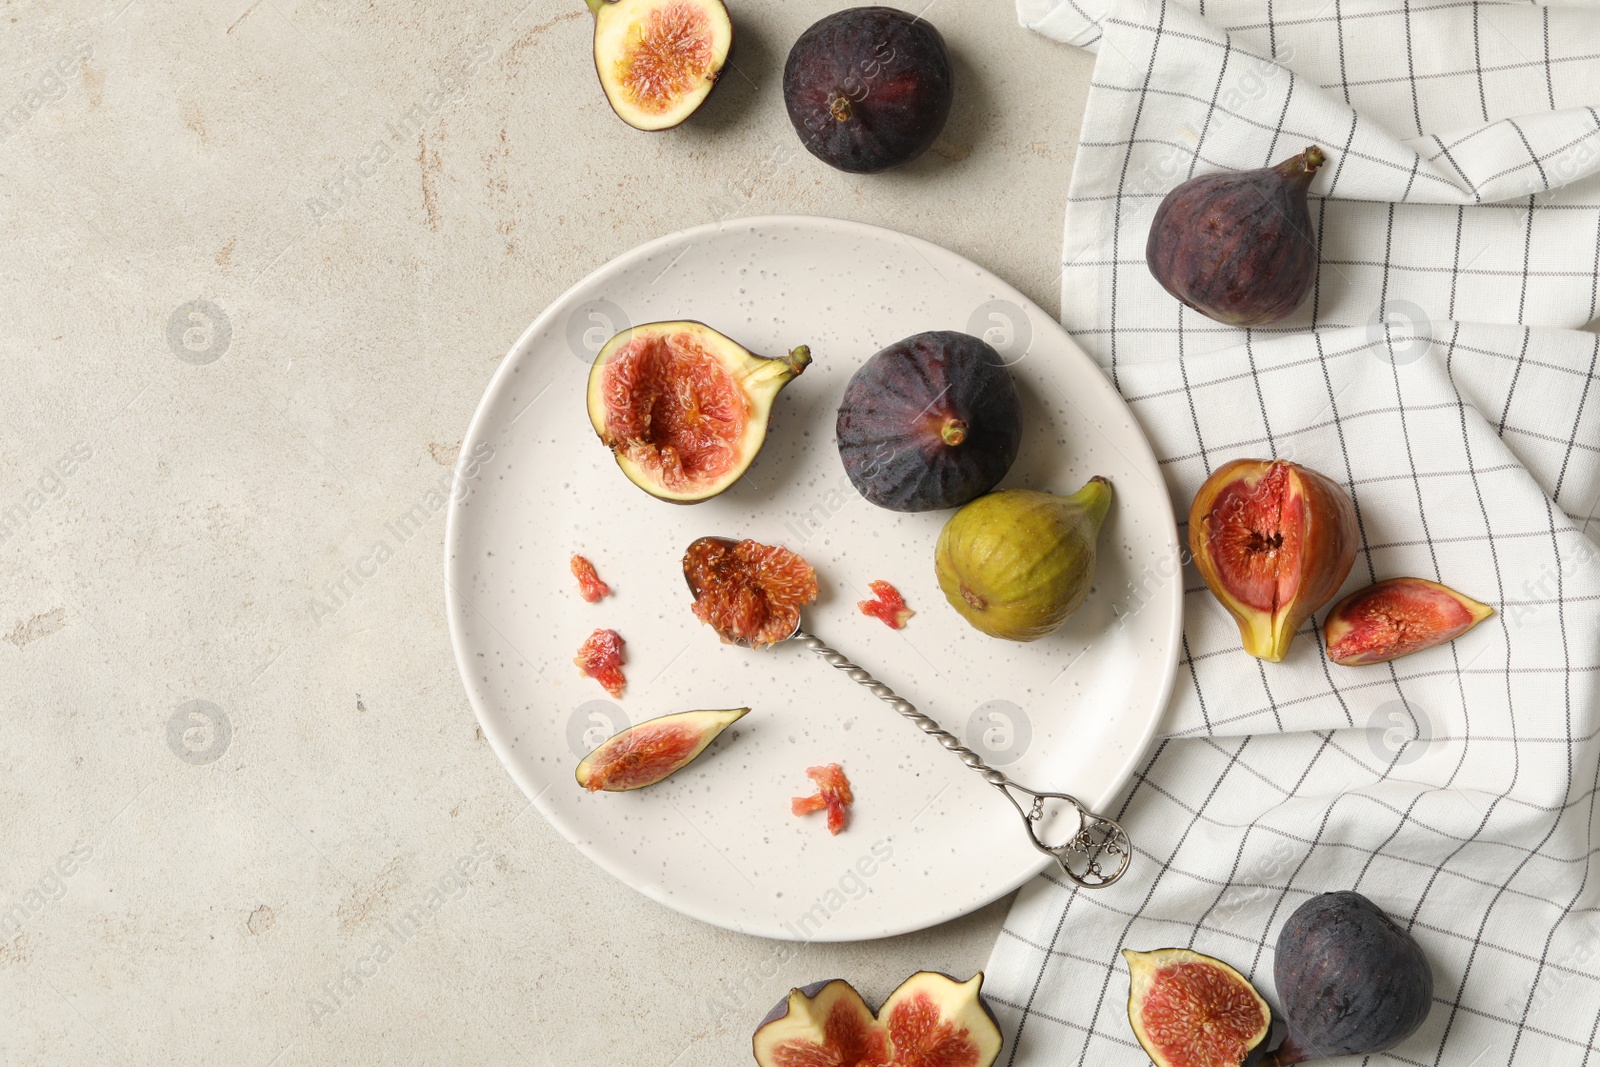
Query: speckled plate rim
[455, 604]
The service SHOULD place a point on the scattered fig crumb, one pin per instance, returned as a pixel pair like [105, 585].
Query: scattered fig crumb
[590, 587]
[833, 793]
[889, 606]
[600, 658]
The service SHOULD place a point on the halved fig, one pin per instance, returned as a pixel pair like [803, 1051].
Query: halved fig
[1396, 618]
[750, 593]
[1273, 541]
[655, 749]
[931, 1020]
[659, 59]
[684, 409]
[1189, 1010]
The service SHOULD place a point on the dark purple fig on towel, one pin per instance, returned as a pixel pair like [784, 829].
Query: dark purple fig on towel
[1239, 246]
[1350, 980]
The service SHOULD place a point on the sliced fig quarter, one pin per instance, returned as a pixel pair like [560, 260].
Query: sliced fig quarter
[1396, 618]
[931, 1019]
[1274, 541]
[683, 408]
[655, 749]
[659, 59]
[1190, 1010]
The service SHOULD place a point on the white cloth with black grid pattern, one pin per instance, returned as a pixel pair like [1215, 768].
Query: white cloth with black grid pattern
[1440, 372]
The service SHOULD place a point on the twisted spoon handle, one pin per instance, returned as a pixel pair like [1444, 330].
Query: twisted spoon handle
[928, 726]
[1096, 838]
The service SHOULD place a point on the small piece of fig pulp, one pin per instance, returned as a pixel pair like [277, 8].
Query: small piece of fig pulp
[656, 748]
[1190, 1010]
[1396, 618]
[600, 657]
[749, 593]
[833, 795]
[931, 1020]
[659, 59]
[1239, 246]
[1273, 541]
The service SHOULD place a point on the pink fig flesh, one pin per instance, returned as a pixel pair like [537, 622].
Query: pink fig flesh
[1396, 618]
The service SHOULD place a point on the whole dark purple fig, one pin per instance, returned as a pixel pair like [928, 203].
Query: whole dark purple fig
[1351, 982]
[930, 422]
[868, 88]
[1239, 246]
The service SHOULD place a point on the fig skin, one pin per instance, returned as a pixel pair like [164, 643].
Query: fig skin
[1350, 980]
[1397, 617]
[1326, 545]
[1015, 564]
[1239, 246]
[930, 422]
[868, 88]
[1144, 969]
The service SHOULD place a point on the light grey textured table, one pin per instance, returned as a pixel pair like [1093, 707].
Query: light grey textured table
[260, 259]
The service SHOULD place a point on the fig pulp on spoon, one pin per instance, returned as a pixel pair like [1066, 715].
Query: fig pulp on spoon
[931, 1020]
[684, 409]
[750, 593]
[656, 748]
[1396, 618]
[1016, 563]
[930, 422]
[659, 59]
[1239, 246]
[1273, 541]
[868, 88]
[1189, 1010]
[1351, 982]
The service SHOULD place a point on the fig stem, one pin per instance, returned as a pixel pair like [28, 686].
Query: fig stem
[799, 357]
[596, 5]
[1302, 166]
[839, 107]
[954, 431]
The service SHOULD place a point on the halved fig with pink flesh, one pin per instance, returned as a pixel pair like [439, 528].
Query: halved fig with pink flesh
[931, 1020]
[1189, 1010]
[684, 409]
[1396, 618]
[655, 749]
[1273, 541]
[659, 59]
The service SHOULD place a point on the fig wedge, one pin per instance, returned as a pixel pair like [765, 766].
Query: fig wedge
[1396, 618]
[683, 408]
[658, 60]
[1190, 1010]
[931, 1019]
[1274, 541]
[655, 749]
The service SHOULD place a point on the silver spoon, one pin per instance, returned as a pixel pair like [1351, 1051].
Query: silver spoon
[1093, 856]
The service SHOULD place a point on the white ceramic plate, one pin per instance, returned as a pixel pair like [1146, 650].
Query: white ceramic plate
[928, 840]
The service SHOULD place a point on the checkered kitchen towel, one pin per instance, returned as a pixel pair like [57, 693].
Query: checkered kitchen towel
[1441, 372]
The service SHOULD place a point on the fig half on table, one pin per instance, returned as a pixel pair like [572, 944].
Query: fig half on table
[658, 60]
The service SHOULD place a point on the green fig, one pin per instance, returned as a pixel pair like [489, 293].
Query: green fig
[1016, 563]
